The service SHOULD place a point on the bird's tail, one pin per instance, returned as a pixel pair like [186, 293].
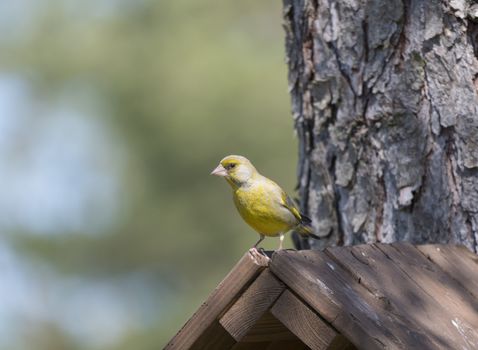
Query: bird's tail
[305, 229]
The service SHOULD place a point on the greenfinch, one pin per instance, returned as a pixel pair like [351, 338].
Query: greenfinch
[261, 202]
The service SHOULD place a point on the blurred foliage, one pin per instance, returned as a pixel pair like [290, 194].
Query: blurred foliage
[179, 84]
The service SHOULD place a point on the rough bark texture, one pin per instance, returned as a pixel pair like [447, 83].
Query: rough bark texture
[384, 96]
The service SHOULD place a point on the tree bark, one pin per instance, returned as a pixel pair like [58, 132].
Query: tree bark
[384, 97]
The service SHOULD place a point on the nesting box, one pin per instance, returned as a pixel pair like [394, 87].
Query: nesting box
[378, 296]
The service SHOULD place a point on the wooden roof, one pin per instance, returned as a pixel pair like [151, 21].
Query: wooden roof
[379, 296]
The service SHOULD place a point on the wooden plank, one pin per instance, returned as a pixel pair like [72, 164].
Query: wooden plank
[269, 333]
[398, 292]
[294, 344]
[287, 345]
[268, 328]
[457, 261]
[226, 293]
[341, 343]
[215, 337]
[252, 304]
[251, 346]
[461, 307]
[343, 302]
[303, 322]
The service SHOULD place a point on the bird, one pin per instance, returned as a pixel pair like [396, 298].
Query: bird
[262, 203]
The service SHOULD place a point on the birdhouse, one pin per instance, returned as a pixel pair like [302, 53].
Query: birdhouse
[378, 296]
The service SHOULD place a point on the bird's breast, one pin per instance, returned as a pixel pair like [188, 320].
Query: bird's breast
[261, 209]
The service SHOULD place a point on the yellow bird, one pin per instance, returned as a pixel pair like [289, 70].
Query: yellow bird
[261, 202]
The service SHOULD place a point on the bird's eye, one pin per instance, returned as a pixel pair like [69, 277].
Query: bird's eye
[232, 165]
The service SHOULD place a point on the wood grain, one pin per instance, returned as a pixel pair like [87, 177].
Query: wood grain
[341, 343]
[252, 304]
[339, 299]
[458, 308]
[457, 261]
[378, 296]
[215, 337]
[294, 344]
[251, 346]
[287, 345]
[226, 292]
[399, 293]
[268, 328]
[303, 322]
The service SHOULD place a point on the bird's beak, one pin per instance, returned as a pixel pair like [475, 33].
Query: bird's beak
[219, 171]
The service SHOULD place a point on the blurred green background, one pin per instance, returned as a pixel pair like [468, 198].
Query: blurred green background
[112, 115]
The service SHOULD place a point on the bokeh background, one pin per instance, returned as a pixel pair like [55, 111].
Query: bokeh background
[112, 115]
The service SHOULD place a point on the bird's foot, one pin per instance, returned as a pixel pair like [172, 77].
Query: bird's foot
[259, 257]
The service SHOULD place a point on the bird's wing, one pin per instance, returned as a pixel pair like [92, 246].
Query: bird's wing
[288, 203]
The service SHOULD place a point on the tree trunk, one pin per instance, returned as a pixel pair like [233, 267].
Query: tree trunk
[384, 97]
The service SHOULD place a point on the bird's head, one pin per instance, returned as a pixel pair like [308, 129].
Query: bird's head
[237, 170]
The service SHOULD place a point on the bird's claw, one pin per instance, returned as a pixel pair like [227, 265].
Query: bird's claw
[259, 258]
